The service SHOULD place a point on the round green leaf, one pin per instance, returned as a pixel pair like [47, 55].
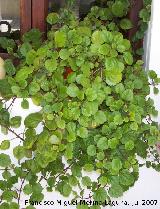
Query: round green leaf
[91, 150]
[113, 77]
[128, 58]
[102, 143]
[51, 65]
[19, 152]
[52, 18]
[115, 191]
[82, 132]
[100, 117]
[129, 145]
[5, 144]
[116, 164]
[32, 120]
[100, 195]
[86, 181]
[126, 24]
[5, 160]
[27, 189]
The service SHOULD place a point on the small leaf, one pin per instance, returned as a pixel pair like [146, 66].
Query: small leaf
[103, 180]
[5, 144]
[54, 139]
[100, 156]
[64, 54]
[27, 189]
[23, 73]
[37, 188]
[113, 64]
[123, 45]
[91, 150]
[86, 181]
[60, 39]
[145, 15]
[118, 120]
[15, 121]
[113, 77]
[82, 132]
[98, 37]
[51, 65]
[119, 9]
[115, 191]
[138, 84]
[25, 48]
[116, 164]
[15, 90]
[14, 205]
[126, 178]
[52, 18]
[67, 189]
[102, 143]
[100, 117]
[156, 90]
[9, 67]
[100, 195]
[108, 36]
[51, 181]
[88, 167]
[104, 49]
[89, 108]
[69, 151]
[60, 123]
[19, 152]
[34, 88]
[126, 24]
[32, 120]
[7, 195]
[134, 126]
[91, 94]
[30, 57]
[5, 160]
[128, 58]
[25, 104]
[127, 95]
[72, 90]
[152, 74]
[129, 145]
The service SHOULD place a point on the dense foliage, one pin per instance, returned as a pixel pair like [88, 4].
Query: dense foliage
[96, 112]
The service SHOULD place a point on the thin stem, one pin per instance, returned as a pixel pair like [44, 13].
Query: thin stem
[17, 135]
[42, 177]
[21, 188]
[14, 99]
[6, 169]
[65, 170]
[20, 191]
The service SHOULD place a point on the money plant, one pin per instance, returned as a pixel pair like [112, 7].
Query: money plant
[96, 113]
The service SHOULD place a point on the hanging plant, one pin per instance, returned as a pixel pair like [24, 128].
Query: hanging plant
[94, 96]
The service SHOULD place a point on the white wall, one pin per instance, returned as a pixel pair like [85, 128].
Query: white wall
[154, 49]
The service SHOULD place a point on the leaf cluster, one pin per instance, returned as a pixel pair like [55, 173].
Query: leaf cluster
[94, 95]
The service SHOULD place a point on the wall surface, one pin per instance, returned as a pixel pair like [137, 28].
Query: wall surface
[153, 49]
[10, 11]
[148, 186]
